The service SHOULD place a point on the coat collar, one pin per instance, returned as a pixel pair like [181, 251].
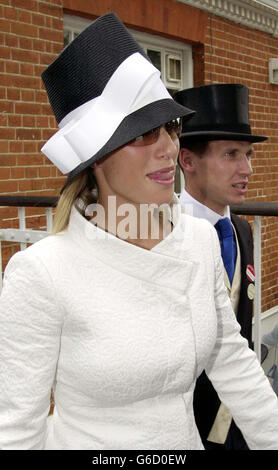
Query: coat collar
[166, 265]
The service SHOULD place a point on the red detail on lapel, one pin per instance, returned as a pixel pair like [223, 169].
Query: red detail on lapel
[250, 273]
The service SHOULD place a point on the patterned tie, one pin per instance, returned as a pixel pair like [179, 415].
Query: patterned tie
[228, 247]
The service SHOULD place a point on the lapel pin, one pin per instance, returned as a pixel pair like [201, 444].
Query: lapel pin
[250, 273]
[251, 291]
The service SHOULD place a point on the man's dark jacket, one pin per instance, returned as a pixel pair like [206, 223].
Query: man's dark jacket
[206, 401]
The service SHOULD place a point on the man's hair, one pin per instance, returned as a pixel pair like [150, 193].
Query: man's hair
[196, 146]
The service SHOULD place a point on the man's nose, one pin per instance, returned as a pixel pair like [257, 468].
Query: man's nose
[246, 166]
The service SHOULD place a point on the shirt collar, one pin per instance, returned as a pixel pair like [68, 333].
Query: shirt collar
[195, 208]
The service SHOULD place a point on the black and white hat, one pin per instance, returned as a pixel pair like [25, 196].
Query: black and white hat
[104, 92]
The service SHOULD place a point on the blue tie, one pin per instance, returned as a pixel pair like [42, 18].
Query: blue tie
[228, 247]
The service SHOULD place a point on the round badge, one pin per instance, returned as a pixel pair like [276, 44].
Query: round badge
[250, 273]
[251, 291]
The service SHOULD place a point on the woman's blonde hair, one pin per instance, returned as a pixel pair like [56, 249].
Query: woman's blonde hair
[82, 187]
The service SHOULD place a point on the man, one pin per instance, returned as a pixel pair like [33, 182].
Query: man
[215, 156]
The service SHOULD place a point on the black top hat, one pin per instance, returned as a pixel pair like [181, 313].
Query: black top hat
[222, 113]
[104, 92]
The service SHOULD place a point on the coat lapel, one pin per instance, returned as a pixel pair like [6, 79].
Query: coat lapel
[166, 265]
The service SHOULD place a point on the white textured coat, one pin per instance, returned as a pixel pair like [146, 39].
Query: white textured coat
[122, 333]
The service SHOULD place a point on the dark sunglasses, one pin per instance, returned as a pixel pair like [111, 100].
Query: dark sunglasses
[172, 127]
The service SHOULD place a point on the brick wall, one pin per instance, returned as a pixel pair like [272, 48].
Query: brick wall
[236, 54]
[31, 35]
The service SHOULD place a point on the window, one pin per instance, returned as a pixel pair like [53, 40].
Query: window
[172, 58]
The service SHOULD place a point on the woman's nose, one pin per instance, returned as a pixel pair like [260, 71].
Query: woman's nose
[169, 145]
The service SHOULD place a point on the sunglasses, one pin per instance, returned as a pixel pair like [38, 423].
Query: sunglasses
[173, 128]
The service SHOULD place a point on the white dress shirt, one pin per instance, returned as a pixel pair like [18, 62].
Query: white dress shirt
[195, 208]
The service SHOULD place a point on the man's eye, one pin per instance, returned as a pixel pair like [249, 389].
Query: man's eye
[230, 154]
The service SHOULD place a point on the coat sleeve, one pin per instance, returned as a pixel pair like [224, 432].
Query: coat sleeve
[237, 375]
[29, 346]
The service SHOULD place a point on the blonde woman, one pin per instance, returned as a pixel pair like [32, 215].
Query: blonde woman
[121, 309]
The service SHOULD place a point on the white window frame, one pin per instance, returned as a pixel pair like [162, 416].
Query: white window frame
[165, 46]
[175, 48]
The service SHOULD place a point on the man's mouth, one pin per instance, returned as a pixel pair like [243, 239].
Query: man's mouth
[241, 187]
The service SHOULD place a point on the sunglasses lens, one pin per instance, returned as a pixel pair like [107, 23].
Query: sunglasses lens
[148, 138]
[173, 128]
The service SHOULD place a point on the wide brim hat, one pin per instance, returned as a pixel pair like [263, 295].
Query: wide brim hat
[104, 92]
[222, 113]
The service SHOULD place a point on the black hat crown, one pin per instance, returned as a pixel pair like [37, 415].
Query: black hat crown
[84, 67]
[222, 112]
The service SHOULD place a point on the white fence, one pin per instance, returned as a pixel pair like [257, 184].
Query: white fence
[23, 235]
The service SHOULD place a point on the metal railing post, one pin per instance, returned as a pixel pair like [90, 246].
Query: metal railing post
[49, 219]
[258, 284]
[22, 224]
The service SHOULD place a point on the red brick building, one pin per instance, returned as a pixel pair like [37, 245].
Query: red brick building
[195, 42]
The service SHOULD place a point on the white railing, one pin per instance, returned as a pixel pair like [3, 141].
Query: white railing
[24, 236]
[257, 209]
[258, 283]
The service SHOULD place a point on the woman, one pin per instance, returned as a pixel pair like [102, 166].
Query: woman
[120, 318]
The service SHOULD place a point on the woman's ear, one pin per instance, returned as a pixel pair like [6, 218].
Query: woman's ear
[186, 160]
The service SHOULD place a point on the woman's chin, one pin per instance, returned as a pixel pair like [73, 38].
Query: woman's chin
[165, 198]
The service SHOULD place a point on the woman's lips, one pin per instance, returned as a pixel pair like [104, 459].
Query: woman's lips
[165, 176]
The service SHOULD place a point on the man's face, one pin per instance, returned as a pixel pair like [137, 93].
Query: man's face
[220, 176]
